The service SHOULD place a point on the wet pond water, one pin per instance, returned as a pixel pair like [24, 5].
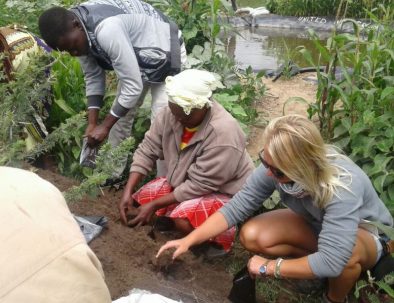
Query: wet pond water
[267, 48]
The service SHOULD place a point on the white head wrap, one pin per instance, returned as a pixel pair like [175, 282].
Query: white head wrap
[191, 88]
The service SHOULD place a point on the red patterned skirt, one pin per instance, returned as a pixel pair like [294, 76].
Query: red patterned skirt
[196, 210]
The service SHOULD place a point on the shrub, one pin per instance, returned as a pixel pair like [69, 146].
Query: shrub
[356, 111]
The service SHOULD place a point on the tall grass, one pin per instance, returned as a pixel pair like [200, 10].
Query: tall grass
[354, 9]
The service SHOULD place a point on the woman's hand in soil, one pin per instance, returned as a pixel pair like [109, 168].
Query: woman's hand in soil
[144, 214]
[181, 246]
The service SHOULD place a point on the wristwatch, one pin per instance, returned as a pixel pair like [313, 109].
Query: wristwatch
[263, 269]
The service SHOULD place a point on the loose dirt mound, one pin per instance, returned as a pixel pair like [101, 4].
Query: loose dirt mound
[127, 256]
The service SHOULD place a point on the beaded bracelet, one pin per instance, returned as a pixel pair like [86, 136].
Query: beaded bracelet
[277, 268]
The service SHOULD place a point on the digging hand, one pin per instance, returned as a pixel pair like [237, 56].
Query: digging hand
[145, 213]
[98, 134]
[125, 204]
[88, 135]
[181, 246]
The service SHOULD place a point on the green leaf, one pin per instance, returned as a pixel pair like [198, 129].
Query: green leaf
[215, 30]
[390, 52]
[225, 97]
[379, 182]
[226, 5]
[63, 105]
[76, 151]
[343, 143]
[386, 286]
[61, 156]
[388, 92]
[389, 80]
[362, 145]
[197, 50]
[346, 123]
[190, 33]
[307, 55]
[238, 111]
[344, 96]
[389, 133]
[385, 145]
[388, 230]
[390, 192]
[339, 131]
[380, 163]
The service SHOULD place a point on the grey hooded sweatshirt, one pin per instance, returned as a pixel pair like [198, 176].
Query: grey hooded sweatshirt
[335, 226]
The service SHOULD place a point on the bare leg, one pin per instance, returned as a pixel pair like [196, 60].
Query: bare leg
[284, 233]
[183, 225]
[363, 258]
[279, 233]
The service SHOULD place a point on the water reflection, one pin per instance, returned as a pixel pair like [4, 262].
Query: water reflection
[265, 48]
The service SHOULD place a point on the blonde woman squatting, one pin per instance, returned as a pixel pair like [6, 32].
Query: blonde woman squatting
[323, 232]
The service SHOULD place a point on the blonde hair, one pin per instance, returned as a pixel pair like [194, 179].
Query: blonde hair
[298, 150]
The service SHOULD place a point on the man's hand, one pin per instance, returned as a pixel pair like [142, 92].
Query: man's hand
[89, 129]
[88, 132]
[144, 215]
[97, 135]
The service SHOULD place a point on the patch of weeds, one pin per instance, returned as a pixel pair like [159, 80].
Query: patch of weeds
[269, 289]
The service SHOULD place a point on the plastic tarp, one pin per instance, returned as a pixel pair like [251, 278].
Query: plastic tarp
[91, 226]
[143, 296]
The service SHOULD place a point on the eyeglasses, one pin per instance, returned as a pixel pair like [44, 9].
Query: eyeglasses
[276, 172]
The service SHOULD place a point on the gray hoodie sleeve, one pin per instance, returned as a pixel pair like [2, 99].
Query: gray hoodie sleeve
[257, 189]
[94, 78]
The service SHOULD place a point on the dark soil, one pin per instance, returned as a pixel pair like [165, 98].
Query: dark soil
[128, 255]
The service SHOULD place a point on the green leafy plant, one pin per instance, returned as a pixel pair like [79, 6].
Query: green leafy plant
[356, 108]
[26, 13]
[240, 98]
[242, 87]
[107, 158]
[65, 144]
[22, 97]
[198, 19]
[68, 89]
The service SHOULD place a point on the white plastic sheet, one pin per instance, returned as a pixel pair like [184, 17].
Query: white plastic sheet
[143, 296]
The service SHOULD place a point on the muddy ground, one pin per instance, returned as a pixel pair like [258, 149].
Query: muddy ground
[127, 255]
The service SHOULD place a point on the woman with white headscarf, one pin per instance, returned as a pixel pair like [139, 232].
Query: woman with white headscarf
[203, 148]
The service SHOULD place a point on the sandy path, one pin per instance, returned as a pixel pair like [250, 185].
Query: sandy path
[271, 105]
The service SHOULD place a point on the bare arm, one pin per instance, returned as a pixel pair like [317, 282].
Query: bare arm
[291, 268]
[212, 227]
